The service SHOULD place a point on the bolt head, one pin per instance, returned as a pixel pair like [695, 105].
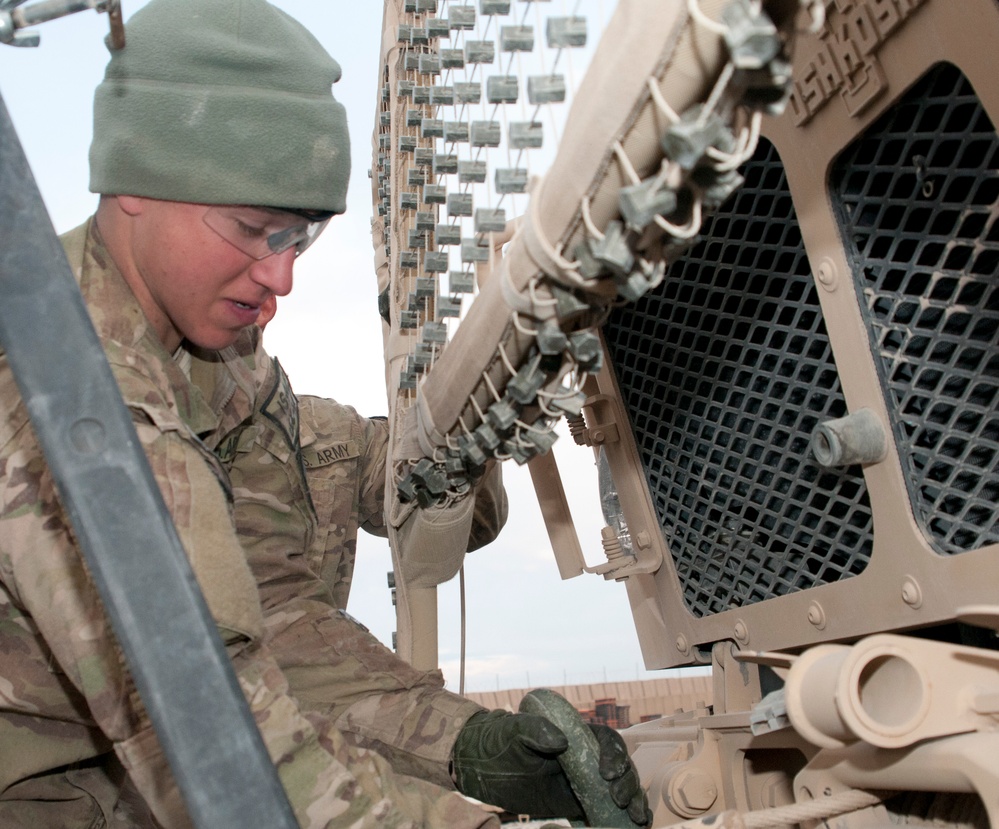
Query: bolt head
[816, 616]
[742, 632]
[912, 593]
[692, 792]
[826, 274]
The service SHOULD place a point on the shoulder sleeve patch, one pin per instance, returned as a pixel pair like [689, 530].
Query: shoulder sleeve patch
[323, 453]
[281, 408]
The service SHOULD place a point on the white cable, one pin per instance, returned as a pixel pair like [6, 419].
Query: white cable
[716, 93]
[464, 426]
[532, 290]
[625, 162]
[545, 410]
[492, 391]
[527, 332]
[505, 358]
[660, 101]
[692, 228]
[748, 141]
[591, 229]
[477, 407]
[820, 809]
[694, 8]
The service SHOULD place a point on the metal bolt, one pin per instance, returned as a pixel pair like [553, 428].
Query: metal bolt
[912, 593]
[817, 616]
[88, 436]
[681, 644]
[742, 632]
[826, 275]
[643, 540]
[692, 792]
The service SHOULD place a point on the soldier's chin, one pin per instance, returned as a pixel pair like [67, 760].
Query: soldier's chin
[215, 340]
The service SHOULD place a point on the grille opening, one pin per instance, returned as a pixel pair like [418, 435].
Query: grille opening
[917, 197]
[726, 369]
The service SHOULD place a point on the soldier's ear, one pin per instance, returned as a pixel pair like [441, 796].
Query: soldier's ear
[132, 205]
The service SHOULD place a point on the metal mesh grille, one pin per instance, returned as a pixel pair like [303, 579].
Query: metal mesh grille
[726, 369]
[917, 197]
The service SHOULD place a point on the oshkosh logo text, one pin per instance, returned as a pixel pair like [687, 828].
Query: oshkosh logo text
[843, 59]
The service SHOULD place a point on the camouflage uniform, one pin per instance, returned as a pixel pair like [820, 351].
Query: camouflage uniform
[66, 700]
[301, 549]
[344, 456]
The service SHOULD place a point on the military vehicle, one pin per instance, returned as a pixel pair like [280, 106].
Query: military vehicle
[795, 420]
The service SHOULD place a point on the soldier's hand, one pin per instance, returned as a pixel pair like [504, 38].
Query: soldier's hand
[618, 770]
[511, 761]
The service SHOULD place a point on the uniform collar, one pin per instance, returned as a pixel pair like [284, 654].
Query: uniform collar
[123, 327]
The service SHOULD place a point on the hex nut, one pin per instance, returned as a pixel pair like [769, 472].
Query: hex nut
[692, 792]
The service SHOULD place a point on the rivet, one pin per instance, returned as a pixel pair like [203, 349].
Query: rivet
[742, 632]
[826, 275]
[681, 644]
[816, 616]
[87, 435]
[912, 593]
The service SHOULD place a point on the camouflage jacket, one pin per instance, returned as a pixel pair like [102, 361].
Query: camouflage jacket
[66, 698]
[344, 456]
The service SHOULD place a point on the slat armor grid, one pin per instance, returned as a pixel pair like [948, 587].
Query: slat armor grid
[726, 369]
[917, 197]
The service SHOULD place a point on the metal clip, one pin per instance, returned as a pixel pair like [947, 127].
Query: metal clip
[13, 19]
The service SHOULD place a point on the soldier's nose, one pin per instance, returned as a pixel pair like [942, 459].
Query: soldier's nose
[275, 272]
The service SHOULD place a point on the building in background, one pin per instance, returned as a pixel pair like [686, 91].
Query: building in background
[618, 704]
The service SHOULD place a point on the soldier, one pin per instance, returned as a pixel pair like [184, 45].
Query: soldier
[220, 153]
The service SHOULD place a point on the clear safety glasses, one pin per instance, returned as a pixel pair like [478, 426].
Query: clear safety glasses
[260, 232]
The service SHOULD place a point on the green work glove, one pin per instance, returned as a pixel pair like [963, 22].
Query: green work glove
[618, 770]
[511, 761]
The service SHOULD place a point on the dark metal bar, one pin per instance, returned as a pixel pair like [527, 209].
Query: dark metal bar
[156, 608]
[48, 10]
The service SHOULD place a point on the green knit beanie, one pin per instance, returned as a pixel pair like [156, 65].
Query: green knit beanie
[221, 102]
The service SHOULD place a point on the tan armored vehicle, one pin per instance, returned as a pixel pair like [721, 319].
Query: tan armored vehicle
[807, 412]
[796, 422]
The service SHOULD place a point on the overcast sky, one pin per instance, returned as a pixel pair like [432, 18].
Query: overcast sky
[524, 625]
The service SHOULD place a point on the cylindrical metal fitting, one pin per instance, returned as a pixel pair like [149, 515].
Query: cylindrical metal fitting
[49, 10]
[857, 438]
[7, 30]
[875, 692]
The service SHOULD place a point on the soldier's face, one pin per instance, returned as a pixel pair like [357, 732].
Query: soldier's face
[191, 282]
